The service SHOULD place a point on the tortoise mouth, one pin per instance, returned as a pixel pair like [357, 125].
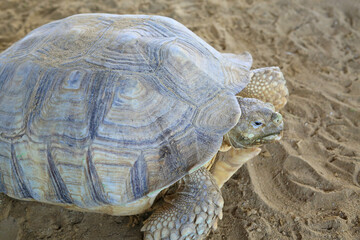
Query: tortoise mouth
[270, 138]
[248, 143]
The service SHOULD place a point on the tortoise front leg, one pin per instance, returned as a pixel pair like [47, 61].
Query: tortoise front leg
[268, 85]
[190, 212]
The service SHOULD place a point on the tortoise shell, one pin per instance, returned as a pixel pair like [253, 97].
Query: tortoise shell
[100, 109]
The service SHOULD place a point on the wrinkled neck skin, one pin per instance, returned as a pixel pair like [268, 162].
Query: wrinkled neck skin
[229, 159]
[227, 144]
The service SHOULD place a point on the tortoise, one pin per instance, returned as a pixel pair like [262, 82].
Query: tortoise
[102, 112]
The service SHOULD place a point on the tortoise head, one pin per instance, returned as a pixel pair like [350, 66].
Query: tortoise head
[258, 124]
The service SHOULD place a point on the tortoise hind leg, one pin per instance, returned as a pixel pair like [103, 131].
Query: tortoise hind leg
[190, 212]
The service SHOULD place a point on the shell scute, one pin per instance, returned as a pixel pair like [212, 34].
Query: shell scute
[16, 85]
[61, 105]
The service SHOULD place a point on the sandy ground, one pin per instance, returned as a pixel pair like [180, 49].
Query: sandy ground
[307, 186]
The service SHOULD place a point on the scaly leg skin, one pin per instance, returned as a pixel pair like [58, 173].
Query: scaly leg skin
[268, 85]
[190, 213]
[133, 220]
[227, 163]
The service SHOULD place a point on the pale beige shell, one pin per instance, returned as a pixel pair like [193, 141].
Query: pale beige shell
[100, 109]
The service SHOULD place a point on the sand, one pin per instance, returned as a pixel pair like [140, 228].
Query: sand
[306, 186]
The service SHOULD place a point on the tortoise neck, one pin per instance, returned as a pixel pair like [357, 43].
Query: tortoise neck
[225, 146]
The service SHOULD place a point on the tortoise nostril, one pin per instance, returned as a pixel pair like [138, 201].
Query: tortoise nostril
[276, 118]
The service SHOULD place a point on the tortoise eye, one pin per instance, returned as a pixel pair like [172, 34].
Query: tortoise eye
[257, 124]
